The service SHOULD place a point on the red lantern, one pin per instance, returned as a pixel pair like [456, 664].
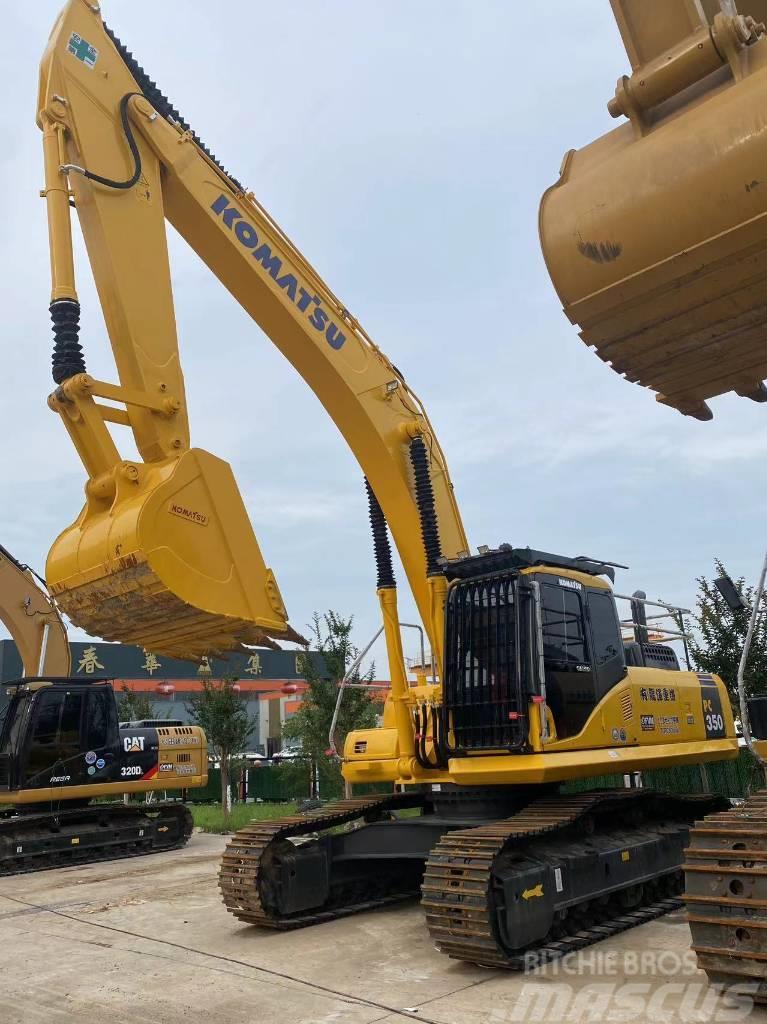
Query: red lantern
[165, 689]
[290, 688]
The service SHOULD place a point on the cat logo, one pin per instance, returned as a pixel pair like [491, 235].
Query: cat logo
[133, 744]
[529, 894]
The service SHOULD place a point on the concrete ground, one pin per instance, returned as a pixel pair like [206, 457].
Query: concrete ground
[147, 941]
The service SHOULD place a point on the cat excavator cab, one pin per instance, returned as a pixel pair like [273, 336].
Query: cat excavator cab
[655, 234]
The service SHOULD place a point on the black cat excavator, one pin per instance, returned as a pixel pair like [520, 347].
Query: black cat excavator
[533, 684]
[61, 748]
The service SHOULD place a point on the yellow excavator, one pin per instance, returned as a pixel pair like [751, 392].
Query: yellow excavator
[61, 747]
[532, 684]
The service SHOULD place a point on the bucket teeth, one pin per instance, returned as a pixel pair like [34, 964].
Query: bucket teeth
[134, 607]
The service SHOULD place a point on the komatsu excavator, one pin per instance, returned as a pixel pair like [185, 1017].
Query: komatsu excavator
[61, 747]
[532, 684]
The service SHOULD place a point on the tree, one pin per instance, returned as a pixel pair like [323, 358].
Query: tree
[721, 633]
[221, 713]
[310, 725]
[134, 707]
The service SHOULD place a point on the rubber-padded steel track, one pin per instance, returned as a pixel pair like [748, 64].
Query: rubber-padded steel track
[243, 867]
[458, 890]
[99, 832]
[726, 895]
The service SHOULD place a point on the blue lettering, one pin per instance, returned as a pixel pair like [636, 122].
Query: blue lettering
[270, 262]
[306, 298]
[231, 215]
[246, 234]
[289, 284]
[334, 336]
[319, 319]
[221, 205]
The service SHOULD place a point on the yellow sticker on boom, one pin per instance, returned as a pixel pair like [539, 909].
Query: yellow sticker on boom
[530, 894]
[625, 855]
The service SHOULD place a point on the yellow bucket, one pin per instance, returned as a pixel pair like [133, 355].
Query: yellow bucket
[169, 561]
[655, 235]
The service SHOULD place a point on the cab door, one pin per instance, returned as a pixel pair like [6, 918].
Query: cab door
[53, 754]
[567, 660]
[72, 739]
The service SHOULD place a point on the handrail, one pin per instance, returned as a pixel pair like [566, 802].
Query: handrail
[332, 752]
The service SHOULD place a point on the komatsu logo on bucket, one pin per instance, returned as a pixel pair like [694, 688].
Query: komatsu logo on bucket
[306, 301]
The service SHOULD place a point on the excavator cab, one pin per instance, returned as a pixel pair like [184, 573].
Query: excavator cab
[655, 235]
[55, 730]
[62, 747]
[526, 627]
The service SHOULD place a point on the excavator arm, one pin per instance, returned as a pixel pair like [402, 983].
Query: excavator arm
[32, 619]
[163, 554]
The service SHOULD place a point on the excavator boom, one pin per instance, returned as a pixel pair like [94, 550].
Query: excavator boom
[163, 554]
[32, 619]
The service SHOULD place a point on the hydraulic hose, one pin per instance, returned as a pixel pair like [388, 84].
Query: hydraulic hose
[130, 138]
[381, 544]
[424, 494]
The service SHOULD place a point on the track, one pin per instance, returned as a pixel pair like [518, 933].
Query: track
[243, 876]
[461, 890]
[463, 876]
[726, 896]
[99, 832]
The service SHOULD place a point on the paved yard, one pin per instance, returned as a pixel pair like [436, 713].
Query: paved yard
[147, 941]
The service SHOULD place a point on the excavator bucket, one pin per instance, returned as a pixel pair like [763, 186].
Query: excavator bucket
[655, 235]
[169, 561]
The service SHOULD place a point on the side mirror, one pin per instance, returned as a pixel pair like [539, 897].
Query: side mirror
[731, 594]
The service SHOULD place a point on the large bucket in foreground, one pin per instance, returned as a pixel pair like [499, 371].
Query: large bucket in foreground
[169, 562]
[655, 235]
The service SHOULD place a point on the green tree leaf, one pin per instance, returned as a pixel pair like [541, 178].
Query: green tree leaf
[222, 714]
[134, 707]
[310, 725]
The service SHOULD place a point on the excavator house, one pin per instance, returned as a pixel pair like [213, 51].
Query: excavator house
[533, 686]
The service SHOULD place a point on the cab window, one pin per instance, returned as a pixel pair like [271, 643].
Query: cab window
[606, 642]
[100, 724]
[564, 644]
[55, 739]
[604, 628]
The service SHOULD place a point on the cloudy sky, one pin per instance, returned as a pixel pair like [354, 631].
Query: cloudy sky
[404, 146]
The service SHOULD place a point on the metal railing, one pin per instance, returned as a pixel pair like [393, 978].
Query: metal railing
[640, 621]
[349, 674]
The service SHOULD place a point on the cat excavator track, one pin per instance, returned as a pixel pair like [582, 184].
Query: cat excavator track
[108, 831]
[726, 896]
[467, 872]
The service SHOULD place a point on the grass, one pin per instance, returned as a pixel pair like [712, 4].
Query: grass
[210, 817]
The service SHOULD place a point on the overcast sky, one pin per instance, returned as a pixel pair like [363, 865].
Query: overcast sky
[404, 146]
